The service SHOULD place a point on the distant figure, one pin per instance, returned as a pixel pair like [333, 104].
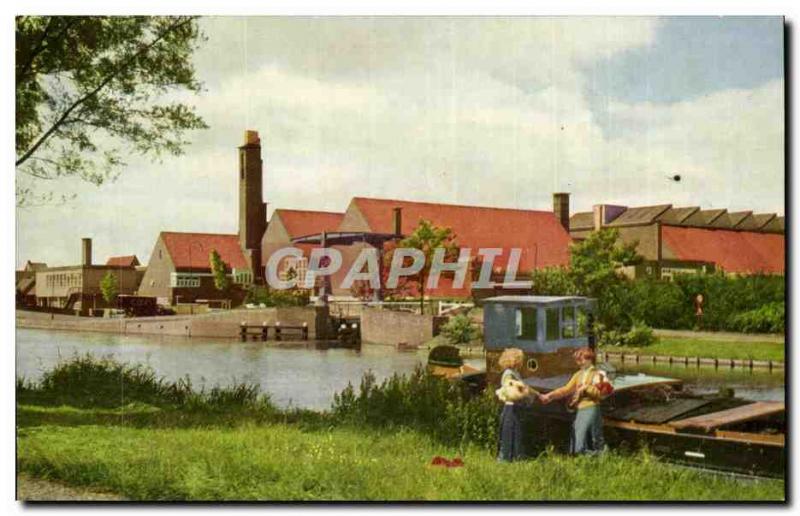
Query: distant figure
[698, 310]
[587, 387]
[513, 393]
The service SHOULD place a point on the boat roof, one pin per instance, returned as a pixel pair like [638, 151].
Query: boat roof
[620, 382]
[535, 300]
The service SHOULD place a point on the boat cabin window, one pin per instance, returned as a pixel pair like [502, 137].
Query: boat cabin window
[552, 324]
[526, 323]
[582, 321]
[568, 322]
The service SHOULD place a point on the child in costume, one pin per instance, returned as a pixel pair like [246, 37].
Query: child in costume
[512, 392]
[587, 388]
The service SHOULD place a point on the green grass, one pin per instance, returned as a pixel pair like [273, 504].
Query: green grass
[109, 426]
[682, 347]
[284, 462]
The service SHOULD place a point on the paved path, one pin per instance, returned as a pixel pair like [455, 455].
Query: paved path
[720, 335]
[38, 490]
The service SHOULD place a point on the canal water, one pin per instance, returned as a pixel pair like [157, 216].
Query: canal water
[298, 375]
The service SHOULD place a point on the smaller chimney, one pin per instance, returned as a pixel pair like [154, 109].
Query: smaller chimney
[86, 251]
[597, 212]
[561, 208]
[397, 218]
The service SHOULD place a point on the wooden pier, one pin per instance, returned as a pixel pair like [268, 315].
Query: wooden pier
[279, 331]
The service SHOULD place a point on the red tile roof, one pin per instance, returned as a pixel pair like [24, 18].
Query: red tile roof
[303, 222]
[733, 251]
[123, 261]
[191, 250]
[544, 242]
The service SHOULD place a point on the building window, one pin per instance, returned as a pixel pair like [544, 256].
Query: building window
[526, 323]
[242, 277]
[294, 269]
[184, 280]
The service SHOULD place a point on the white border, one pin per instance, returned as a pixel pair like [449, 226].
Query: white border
[320, 7]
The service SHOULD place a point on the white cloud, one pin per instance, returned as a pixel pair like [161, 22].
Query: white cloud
[467, 110]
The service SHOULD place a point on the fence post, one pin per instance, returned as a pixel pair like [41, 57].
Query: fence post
[243, 331]
[278, 330]
[305, 331]
[264, 330]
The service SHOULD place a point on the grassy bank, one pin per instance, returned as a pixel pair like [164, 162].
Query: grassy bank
[103, 426]
[681, 347]
[286, 462]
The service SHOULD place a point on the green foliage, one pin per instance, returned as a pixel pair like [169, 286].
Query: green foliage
[553, 281]
[221, 281]
[271, 297]
[86, 381]
[109, 287]
[421, 401]
[90, 89]
[769, 318]
[732, 303]
[639, 335]
[427, 238]
[460, 329]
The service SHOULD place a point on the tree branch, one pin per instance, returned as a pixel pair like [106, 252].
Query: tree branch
[97, 89]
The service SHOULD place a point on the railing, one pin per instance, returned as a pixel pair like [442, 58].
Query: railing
[352, 307]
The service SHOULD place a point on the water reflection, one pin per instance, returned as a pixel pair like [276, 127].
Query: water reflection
[300, 375]
[294, 374]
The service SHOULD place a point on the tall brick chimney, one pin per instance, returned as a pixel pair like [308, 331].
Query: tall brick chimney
[561, 208]
[397, 219]
[86, 251]
[252, 209]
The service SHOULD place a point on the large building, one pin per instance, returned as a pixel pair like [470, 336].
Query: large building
[676, 240]
[540, 235]
[77, 287]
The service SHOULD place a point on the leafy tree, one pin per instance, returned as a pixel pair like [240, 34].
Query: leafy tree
[427, 238]
[553, 281]
[221, 281]
[595, 262]
[109, 287]
[595, 271]
[460, 330]
[90, 89]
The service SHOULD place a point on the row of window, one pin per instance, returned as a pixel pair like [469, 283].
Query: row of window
[186, 280]
[560, 323]
[66, 279]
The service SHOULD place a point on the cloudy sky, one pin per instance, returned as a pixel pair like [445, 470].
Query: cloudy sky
[486, 111]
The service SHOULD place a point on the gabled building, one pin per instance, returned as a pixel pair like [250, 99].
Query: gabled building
[285, 225]
[676, 240]
[179, 270]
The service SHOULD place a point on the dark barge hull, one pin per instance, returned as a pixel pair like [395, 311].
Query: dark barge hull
[741, 453]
